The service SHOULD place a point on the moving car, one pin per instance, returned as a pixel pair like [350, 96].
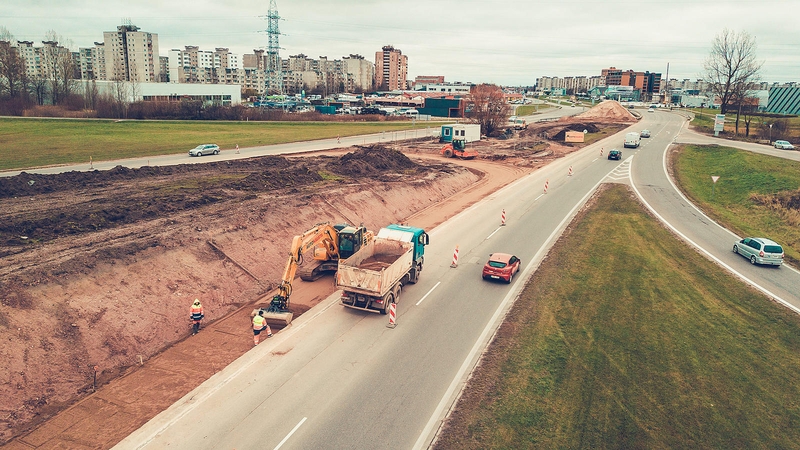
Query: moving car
[501, 266]
[760, 250]
[645, 133]
[651, 109]
[615, 154]
[204, 149]
[783, 145]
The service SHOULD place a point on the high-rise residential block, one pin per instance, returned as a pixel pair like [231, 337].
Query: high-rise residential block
[391, 69]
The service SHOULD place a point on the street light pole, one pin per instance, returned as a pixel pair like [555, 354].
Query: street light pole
[770, 133]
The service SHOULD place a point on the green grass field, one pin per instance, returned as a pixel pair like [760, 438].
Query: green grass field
[741, 174]
[527, 110]
[30, 143]
[624, 339]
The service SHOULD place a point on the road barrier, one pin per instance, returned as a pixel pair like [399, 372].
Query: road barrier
[570, 171]
[503, 218]
[392, 315]
[455, 258]
[546, 183]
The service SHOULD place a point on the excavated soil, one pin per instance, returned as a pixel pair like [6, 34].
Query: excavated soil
[99, 268]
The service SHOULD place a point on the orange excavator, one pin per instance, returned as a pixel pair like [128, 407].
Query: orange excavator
[457, 149]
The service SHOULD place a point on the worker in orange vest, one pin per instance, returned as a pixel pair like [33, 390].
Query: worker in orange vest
[196, 315]
[260, 324]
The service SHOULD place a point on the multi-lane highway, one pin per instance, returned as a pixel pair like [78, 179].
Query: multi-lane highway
[339, 378]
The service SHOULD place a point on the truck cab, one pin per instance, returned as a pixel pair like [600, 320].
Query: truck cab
[416, 236]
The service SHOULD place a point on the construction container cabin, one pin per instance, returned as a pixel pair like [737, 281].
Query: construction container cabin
[464, 132]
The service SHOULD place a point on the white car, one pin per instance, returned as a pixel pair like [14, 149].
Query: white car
[783, 145]
[651, 110]
[204, 149]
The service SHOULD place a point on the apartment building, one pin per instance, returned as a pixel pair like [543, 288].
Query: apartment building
[360, 73]
[131, 55]
[391, 69]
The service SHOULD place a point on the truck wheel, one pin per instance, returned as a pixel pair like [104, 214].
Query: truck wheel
[388, 300]
[413, 276]
[448, 153]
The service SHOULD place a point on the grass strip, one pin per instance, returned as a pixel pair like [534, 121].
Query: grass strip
[30, 143]
[731, 201]
[624, 339]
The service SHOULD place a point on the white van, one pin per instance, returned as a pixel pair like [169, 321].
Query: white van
[632, 140]
[411, 113]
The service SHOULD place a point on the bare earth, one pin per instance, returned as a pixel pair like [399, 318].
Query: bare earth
[99, 269]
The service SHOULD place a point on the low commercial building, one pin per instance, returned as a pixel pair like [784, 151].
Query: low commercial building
[784, 100]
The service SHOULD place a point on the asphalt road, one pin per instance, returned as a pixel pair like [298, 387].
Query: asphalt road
[339, 378]
[699, 231]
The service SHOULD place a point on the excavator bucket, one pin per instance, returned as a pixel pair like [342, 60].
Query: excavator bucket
[278, 313]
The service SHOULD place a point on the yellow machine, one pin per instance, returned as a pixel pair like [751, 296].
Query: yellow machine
[327, 243]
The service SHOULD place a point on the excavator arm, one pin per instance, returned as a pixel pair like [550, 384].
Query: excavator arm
[323, 239]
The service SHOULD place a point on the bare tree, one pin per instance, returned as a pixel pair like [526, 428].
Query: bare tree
[731, 67]
[489, 107]
[58, 66]
[12, 66]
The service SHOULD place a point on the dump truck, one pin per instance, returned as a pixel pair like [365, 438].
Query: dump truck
[372, 278]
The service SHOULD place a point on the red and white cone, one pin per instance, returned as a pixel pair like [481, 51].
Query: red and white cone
[392, 315]
[570, 171]
[601, 151]
[546, 183]
[237, 149]
[503, 218]
[455, 258]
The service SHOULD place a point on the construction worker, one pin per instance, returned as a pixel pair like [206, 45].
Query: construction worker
[260, 324]
[196, 315]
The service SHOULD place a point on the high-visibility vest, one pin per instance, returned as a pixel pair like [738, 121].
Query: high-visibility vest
[196, 312]
[259, 322]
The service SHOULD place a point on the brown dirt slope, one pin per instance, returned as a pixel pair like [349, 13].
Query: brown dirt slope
[98, 269]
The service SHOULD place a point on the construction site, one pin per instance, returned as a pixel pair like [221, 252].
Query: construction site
[99, 269]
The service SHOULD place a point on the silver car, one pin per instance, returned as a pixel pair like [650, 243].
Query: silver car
[204, 149]
[760, 251]
[645, 133]
[783, 145]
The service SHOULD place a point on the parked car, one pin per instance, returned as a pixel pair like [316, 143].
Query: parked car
[204, 149]
[760, 250]
[783, 145]
[615, 154]
[501, 266]
[645, 133]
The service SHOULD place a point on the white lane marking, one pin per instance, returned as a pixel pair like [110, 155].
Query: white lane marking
[429, 293]
[493, 232]
[196, 400]
[595, 159]
[707, 253]
[280, 444]
[491, 327]
[675, 187]
[540, 196]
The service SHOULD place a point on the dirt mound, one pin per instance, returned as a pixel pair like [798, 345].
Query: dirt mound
[372, 161]
[607, 111]
[561, 131]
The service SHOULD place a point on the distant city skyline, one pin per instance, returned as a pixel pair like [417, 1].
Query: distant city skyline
[503, 42]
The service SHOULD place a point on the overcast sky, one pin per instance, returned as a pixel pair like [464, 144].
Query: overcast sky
[495, 41]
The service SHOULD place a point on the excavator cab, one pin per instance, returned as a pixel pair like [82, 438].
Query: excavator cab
[351, 239]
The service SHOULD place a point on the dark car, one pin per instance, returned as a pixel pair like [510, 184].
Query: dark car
[501, 266]
[615, 154]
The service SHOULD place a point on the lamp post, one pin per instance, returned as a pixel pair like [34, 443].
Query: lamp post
[770, 133]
